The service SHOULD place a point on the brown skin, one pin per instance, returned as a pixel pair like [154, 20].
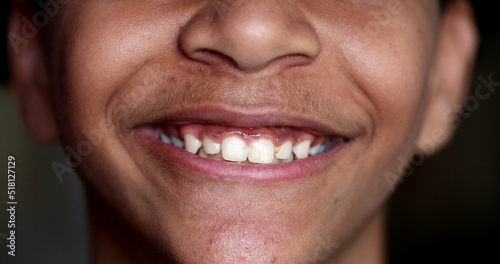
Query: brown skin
[125, 61]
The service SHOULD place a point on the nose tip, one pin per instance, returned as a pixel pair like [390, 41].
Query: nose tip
[252, 35]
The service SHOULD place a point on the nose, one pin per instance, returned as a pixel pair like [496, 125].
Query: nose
[250, 33]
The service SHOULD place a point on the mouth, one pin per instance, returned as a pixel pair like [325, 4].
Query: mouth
[228, 145]
[246, 146]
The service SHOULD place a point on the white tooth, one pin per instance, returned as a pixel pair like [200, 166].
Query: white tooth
[284, 151]
[177, 142]
[165, 139]
[210, 146]
[234, 149]
[315, 150]
[202, 153]
[192, 143]
[301, 150]
[217, 157]
[290, 159]
[261, 151]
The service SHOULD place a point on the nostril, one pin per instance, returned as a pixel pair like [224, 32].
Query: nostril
[296, 59]
[250, 37]
[212, 57]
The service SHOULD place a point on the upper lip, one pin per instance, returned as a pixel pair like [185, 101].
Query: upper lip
[250, 118]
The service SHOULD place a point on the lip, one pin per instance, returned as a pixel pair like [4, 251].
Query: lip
[219, 170]
[247, 118]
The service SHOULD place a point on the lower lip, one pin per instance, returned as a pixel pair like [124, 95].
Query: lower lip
[220, 170]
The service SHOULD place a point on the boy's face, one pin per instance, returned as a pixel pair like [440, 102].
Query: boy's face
[360, 78]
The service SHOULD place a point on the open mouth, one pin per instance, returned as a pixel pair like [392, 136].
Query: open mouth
[248, 146]
[222, 144]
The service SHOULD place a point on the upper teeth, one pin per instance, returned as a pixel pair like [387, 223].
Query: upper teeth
[261, 151]
[176, 142]
[165, 138]
[315, 150]
[210, 146]
[235, 149]
[192, 144]
[284, 151]
[301, 150]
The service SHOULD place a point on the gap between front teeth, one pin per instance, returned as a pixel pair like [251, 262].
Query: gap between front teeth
[235, 149]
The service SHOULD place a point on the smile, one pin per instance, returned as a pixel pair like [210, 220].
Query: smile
[252, 149]
[248, 146]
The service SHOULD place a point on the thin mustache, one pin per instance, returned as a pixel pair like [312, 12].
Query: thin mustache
[150, 95]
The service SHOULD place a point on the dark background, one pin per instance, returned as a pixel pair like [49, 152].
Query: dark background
[448, 211]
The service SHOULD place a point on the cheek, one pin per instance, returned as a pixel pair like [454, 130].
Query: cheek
[386, 53]
[101, 47]
[394, 79]
[392, 70]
